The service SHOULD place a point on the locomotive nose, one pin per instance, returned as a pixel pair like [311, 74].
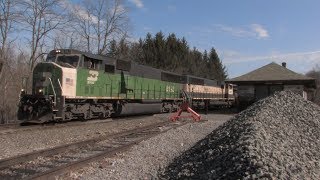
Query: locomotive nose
[42, 82]
[38, 105]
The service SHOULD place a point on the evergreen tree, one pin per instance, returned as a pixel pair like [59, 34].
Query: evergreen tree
[159, 50]
[205, 56]
[217, 69]
[123, 50]
[196, 62]
[148, 50]
[112, 49]
[136, 52]
[204, 66]
[172, 54]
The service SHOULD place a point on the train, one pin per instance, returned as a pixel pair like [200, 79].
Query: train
[71, 84]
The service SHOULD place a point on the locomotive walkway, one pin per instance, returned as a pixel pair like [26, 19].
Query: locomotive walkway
[56, 161]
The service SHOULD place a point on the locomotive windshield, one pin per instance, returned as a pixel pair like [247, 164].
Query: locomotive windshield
[51, 56]
[70, 61]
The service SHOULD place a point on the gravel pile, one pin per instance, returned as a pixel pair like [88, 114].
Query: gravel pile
[275, 138]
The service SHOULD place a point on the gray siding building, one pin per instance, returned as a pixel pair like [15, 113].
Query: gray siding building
[268, 79]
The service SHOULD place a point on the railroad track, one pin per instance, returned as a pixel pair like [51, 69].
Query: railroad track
[46, 164]
[8, 126]
[13, 128]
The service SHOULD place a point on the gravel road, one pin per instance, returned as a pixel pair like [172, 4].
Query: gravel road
[27, 141]
[152, 154]
[145, 159]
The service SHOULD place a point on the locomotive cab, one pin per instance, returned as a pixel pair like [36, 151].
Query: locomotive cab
[45, 102]
[54, 88]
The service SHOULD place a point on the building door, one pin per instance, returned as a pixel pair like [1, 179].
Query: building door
[261, 92]
[275, 88]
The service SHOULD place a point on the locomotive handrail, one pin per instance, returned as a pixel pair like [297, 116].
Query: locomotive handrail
[54, 92]
[59, 84]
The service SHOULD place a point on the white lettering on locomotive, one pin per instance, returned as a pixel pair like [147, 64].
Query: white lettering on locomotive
[170, 89]
[92, 77]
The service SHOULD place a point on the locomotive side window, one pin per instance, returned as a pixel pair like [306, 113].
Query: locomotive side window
[68, 61]
[91, 63]
[51, 56]
[109, 68]
[197, 81]
[171, 77]
[123, 65]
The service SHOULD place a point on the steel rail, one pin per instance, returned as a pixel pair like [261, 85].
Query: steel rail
[82, 163]
[48, 152]
[141, 133]
[13, 128]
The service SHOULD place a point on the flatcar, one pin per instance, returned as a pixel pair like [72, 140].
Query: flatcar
[72, 84]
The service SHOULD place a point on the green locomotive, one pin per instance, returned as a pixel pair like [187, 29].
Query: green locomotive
[76, 85]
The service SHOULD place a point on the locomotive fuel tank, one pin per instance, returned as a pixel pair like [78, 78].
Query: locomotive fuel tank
[138, 109]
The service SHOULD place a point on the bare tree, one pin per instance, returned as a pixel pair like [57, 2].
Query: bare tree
[68, 38]
[7, 17]
[10, 85]
[41, 17]
[7, 63]
[100, 21]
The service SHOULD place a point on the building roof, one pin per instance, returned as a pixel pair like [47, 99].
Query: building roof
[272, 72]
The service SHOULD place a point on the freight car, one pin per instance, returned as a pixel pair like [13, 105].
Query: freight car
[76, 85]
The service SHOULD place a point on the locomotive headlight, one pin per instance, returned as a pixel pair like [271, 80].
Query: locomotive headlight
[40, 91]
[22, 92]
